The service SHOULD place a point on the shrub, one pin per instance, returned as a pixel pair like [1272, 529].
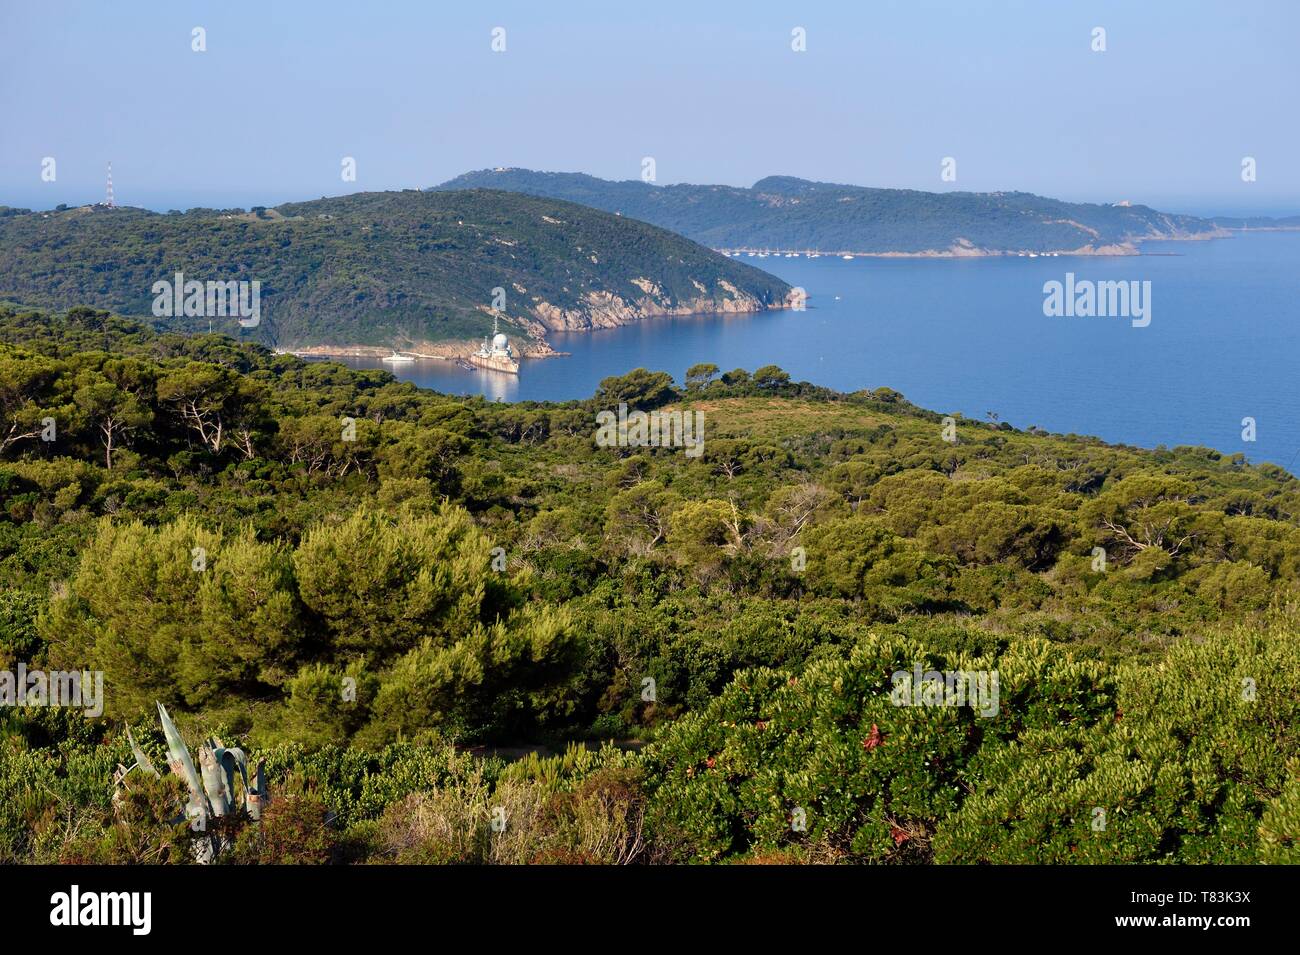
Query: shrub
[147, 827]
[1279, 830]
[828, 748]
[1182, 771]
[19, 638]
[445, 826]
[586, 807]
[295, 829]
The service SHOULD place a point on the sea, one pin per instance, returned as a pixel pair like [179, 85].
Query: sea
[971, 336]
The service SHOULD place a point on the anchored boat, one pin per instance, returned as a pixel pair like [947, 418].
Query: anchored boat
[495, 354]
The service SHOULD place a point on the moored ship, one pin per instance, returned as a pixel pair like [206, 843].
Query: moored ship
[495, 353]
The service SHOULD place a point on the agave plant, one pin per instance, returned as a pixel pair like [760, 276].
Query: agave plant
[211, 786]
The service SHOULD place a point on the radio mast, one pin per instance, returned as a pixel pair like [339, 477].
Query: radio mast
[108, 197]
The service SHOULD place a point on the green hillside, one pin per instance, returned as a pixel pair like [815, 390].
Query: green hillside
[782, 212]
[385, 269]
[491, 582]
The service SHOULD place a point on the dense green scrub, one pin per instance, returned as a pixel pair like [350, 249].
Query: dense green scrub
[377, 588]
[380, 268]
[783, 212]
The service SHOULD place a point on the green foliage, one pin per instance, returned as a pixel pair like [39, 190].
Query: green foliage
[144, 828]
[391, 268]
[466, 574]
[178, 613]
[1279, 829]
[327, 703]
[379, 585]
[1182, 769]
[48, 788]
[782, 212]
[639, 389]
[295, 829]
[865, 778]
[20, 640]
[700, 375]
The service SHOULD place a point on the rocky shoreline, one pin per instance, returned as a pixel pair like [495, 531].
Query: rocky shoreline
[612, 313]
[600, 310]
[450, 350]
[603, 309]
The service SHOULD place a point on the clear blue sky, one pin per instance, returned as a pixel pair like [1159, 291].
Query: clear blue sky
[711, 90]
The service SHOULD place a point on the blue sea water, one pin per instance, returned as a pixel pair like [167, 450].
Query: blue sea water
[970, 336]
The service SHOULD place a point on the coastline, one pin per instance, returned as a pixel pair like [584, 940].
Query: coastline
[530, 345]
[450, 350]
[535, 345]
[966, 250]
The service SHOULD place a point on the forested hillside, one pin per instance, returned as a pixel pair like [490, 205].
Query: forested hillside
[489, 577]
[391, 269]
[783, 212]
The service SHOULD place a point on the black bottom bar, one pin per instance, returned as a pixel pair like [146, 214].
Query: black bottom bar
[535, 903]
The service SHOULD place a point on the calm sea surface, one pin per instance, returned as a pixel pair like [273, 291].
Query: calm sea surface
[970, 336]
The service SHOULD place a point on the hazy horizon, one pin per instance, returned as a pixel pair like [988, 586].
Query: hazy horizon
[280, 95]
[1190, 207]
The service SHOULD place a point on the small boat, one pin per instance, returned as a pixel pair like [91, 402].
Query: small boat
[846, 256]
[395, 357]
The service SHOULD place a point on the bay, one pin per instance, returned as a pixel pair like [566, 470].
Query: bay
[969, 337]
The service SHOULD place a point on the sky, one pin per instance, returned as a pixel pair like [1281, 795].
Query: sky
[714, 92]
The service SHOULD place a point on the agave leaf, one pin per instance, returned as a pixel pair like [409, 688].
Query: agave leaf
[180, 763]
[230, 760]
[214, 782]
[141, 759]
[257, 797]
